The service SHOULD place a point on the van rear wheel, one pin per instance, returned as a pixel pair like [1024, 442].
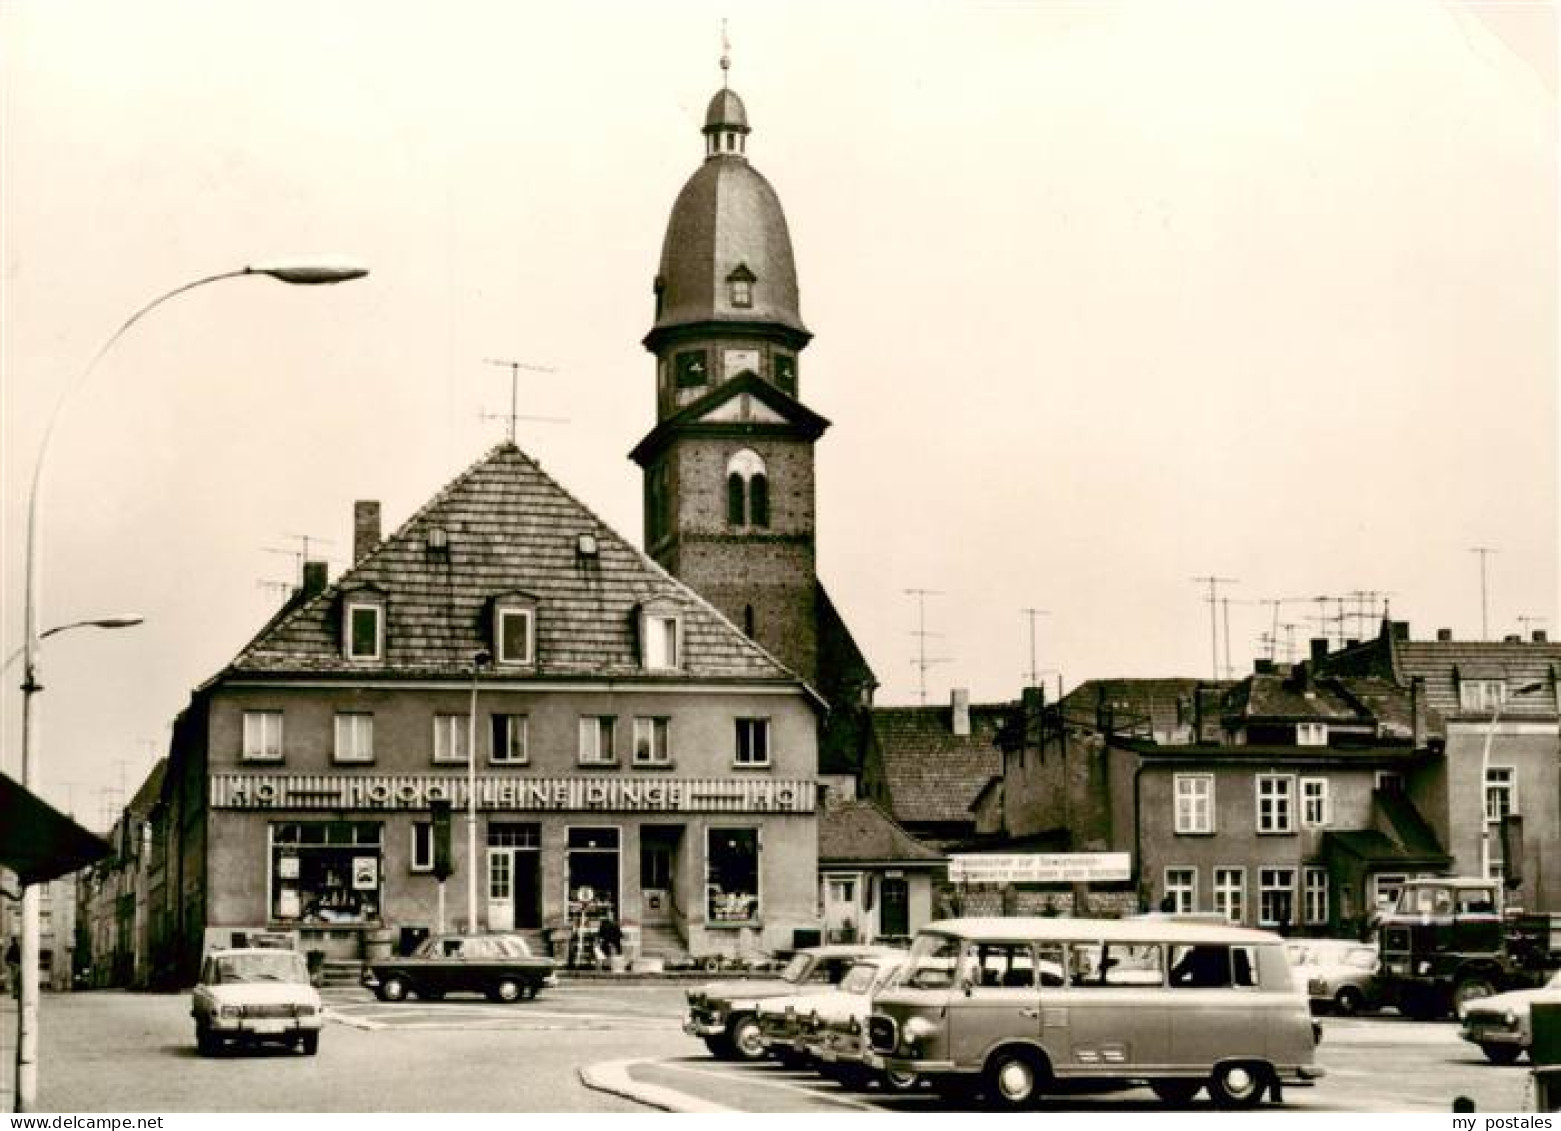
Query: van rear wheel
[1239, 1085]
[1013, 1078]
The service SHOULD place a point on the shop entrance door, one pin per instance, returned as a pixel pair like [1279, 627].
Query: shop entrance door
[514, 885]
[658, 852]
[894, 914]
[592, 872]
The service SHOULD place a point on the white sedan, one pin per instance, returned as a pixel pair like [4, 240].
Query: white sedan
[1502, 1025]
[254, 995]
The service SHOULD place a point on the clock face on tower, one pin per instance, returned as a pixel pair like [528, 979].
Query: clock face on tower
[734, 362]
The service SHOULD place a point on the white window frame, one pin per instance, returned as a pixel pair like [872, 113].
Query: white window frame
[500, 638]
[502, 744]
[592, 730]
[262, 736]
[1314, 895]
[647, 728]
[351, 607]
[1500, 781]
[1316, 803]
[1265, 888]
[754, 726]
[1311, 734]
[450, 734]
[354, 737]
[1181, 885]
[1481, 695]
[1279, 819]
[1230, 892]
[1196, 816]
[663, 642]
[421, 856]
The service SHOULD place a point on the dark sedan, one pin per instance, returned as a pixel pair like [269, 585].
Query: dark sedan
[500, 966]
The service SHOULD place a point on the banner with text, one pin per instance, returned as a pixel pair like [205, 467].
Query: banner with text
[1039, 868]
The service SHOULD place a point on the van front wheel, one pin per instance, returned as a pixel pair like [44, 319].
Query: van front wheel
[1238, 1085]
[1013, 1078]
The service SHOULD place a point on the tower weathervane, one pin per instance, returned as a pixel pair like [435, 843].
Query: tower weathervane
[726, 54]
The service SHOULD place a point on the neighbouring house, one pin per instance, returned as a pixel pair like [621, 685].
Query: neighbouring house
[875, 879]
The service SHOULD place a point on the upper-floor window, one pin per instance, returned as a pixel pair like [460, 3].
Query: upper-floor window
[513, 622]
[364, 627]
[662, 651]
[652, 741]
[596, 740]
[1316, 810]
[263, 736]
[1481, 694]
[1501, 792]
[753, 742]
[450, 737]
[1275, 803]
[1195, 803]
[509, 740]
[747, 490]
[741, 292]
[354, 736]
[1311, 734]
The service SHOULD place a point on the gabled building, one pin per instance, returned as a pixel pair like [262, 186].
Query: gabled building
[635, 753]
[876, 879]
[1498, 702]
[937, 769]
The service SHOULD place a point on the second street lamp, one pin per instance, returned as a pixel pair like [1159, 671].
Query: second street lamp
[480, 660]
[299, 272]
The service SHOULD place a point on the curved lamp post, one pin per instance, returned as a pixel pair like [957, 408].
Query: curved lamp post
[480, 660]
[127, 620]
[302, 272]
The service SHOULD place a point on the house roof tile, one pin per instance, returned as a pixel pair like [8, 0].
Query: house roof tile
[932, 774]
[859, 831]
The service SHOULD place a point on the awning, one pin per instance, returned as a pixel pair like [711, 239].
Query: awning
[37, 841]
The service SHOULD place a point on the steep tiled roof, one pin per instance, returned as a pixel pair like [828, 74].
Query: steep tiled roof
[510, 528]
[932, 774]
[1442, 662]
[1162, 706]
[859, 831]
[1290, 697]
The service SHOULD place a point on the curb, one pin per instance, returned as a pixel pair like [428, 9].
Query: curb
[613, 1077]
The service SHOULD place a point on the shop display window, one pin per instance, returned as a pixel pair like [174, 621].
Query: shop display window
[326, 872]
[732, 876]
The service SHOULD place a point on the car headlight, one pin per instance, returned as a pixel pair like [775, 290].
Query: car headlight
[1423, 967]
[917, 1030]
[1510, 1017]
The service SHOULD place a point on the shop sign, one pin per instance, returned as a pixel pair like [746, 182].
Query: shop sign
[509, 794]
[1039, 868]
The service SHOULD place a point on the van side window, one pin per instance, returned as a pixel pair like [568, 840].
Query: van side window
[1003, 966]
[1201, 967]
[1051, 960]
[1118, 964]
[1243, 966]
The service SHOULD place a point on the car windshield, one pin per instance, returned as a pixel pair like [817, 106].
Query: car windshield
[931, 963]
[860, 979]
[797, 969]
[274, 966]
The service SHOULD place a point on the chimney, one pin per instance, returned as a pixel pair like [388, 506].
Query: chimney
[1400, 630]
[959, 709]
[1512, 638]
[1417, 709]
[1262, 666]
[365, 528]
[316, 577]
[1319, 649]
[1444, 635]
[1540, 637]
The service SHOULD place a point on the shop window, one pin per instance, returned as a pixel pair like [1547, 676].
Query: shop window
[422, 846]
[509, 740]
[262, 736]
[753, 742]
[326, 872]
[354, 736]
[596, 740]
[450, 737]
[652, 746]
[732, 876]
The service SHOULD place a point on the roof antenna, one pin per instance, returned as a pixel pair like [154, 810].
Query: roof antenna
[726, 53]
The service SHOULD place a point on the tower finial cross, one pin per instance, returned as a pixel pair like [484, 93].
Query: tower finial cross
[726, 53]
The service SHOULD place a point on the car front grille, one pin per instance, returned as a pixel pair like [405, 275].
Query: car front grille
[269, 1011]
[881, 1033]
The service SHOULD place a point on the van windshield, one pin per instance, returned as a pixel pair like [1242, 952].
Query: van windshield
[932, 962]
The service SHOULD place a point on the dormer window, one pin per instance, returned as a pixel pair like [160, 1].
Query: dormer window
[661, 636]
[514, 625]
[363, 626]
[739, 287]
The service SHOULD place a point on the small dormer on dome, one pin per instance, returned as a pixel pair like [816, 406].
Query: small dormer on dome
[726, 125]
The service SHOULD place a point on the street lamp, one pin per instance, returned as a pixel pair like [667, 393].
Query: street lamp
[1485, 773]
[128, 620]
[302, 272]
[480, 660]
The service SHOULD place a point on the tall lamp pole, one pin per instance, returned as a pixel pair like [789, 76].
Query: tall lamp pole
[480, 660]
[1485, 773]
[301, 273]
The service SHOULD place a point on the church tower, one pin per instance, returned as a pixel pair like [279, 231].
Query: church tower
[729, 488]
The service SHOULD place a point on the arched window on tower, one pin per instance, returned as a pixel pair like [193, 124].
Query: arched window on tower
[747, 490]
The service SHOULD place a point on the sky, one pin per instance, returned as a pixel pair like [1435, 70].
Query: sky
[1107, 297]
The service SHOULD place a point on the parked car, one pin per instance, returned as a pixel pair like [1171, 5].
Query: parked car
[1502, 1025]
[251, 996]
[1339, 974]
[500, 966]
[787, 1023]
[725, 1014]
[833, 1032]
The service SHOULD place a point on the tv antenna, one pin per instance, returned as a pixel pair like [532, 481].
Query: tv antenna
[513, 414]
[922, 661]
[1214, 628]
[1524, 621]
[1034, 678]
[301, 554]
